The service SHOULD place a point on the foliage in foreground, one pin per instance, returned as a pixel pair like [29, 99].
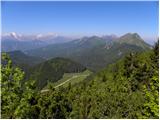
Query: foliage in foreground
[127, 89]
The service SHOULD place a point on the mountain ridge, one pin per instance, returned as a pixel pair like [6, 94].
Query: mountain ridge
[133, 39]
[93, 52]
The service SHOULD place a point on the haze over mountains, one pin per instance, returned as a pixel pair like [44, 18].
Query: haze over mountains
[14, 41]
[93, 52]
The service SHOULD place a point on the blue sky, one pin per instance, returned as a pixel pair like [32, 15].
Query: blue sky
[81, 18]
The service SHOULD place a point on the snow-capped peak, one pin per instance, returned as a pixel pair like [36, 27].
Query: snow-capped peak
[14, 35]
[46, 36]
[39, 36]
[11, 36]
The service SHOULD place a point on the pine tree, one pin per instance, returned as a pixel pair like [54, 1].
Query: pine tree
[17, 101]
[11, 91]
[151, 106]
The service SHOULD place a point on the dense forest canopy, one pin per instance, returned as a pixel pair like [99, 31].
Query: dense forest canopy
[128, 88]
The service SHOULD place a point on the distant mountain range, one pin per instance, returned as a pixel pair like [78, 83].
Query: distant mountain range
[93, 52]
[14, 41]
[50, 62]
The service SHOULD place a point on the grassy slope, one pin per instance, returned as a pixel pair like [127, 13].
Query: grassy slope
[72, 78]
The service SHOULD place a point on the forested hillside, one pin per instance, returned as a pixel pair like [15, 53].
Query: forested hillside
[53, 70]
[126, 89]
[19, 59]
